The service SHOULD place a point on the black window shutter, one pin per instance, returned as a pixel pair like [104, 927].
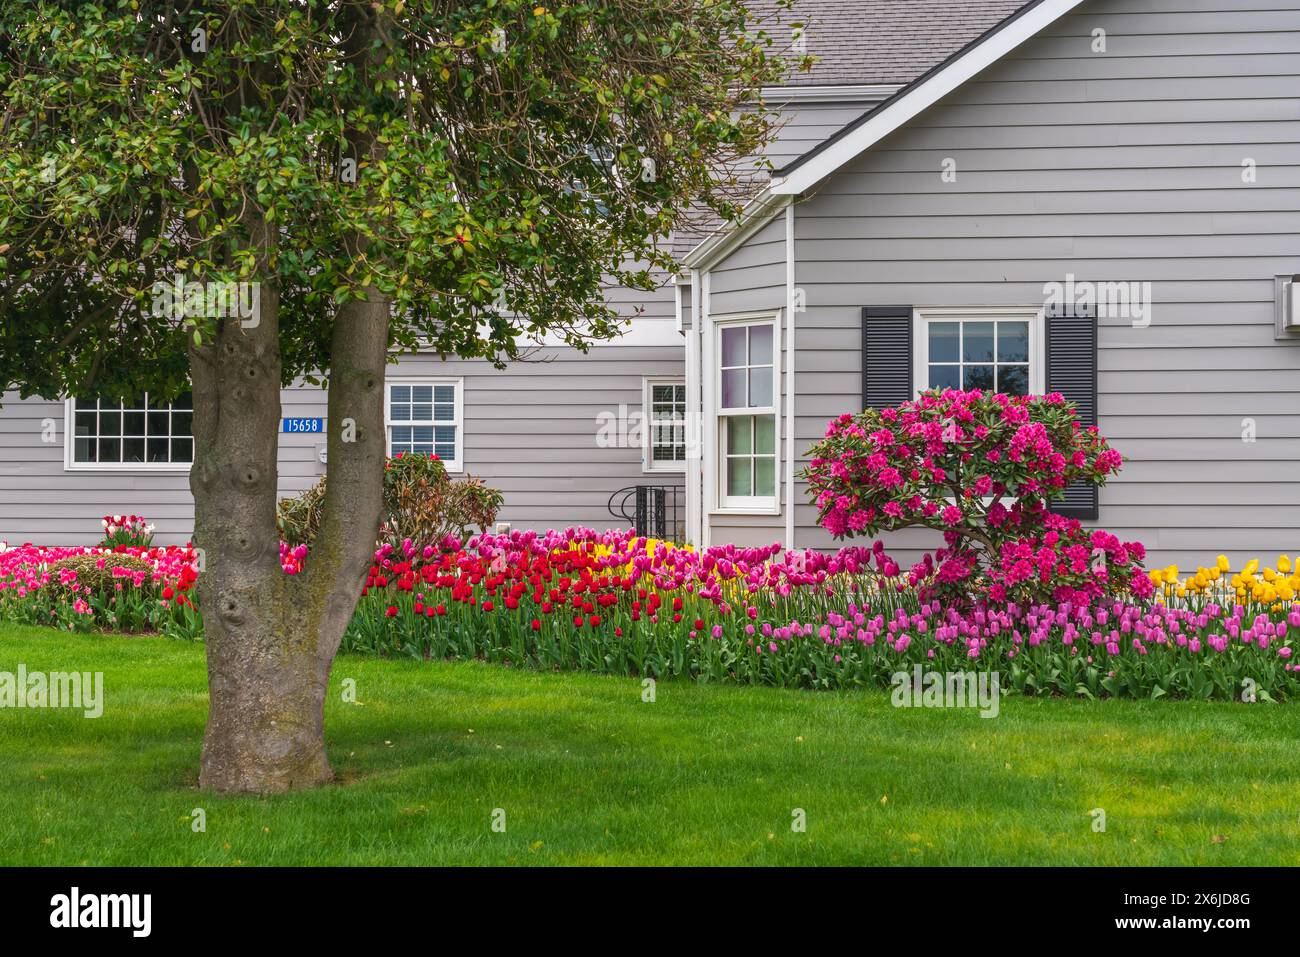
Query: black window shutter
[1072, 371]
[886, 356]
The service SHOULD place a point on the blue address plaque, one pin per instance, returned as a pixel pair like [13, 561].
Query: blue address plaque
[302, 425]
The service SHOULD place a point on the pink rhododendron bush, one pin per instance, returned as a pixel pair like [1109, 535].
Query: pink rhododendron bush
[980, 468]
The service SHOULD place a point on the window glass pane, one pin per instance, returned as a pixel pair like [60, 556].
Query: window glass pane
[182, 450]
[760, 387]
[444, 413]
[85, 423]
[945, 341]
[764, 476]
[158, 423]
[444, 393]
[400, 393]
[110, 450]
[83, 450]
[184, 401]
[977, 342]
[133, 450]
[1013, 342]
[133, 423]
[182, 423]
[1014, 380]
[760, 345]
[421, 393]
[680, 394]
[765, 434]
[977, 377]
[740, 476]
[733, 346]
[733, 388]
[740, 436]
[400, 412]
[110, 423]
[157, 450]
[661, 393]
[421, 411]
[945, 377]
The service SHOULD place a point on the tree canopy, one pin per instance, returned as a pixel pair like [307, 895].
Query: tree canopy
[486, 166]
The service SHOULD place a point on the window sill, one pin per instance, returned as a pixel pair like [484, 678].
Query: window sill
[126, 467]
[746, 510]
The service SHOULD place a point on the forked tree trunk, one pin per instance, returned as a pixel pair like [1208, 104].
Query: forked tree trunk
[271, 637]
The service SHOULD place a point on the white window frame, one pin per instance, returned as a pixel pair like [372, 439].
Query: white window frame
[922, 316]
[648, 462]
[459, 382]
[722, 503]
[69, 448]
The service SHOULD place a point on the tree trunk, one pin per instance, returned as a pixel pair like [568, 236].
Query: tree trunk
[272, 637]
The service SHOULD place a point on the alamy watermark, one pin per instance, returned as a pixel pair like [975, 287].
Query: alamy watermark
[75, 909]
[947, 689]
[80, 690]
[1115, 300]
[183, 298]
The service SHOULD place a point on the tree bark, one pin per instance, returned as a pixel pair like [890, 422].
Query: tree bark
[271, 637]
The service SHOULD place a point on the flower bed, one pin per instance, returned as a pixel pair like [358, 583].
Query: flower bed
[615, 603]
[609, 602]
[126, 588]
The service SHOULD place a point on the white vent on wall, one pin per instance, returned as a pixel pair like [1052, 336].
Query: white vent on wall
[501, 528]
[1286, 307]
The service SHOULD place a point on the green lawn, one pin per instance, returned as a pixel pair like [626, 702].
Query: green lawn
[589, 774]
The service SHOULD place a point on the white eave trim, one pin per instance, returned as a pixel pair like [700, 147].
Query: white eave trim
[846, 93]
[758, 212]
[890, 116]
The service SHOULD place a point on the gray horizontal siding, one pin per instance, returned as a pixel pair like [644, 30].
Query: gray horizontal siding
[1117, 166]
[530, 430]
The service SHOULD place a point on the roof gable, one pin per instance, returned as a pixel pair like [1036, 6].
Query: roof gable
[862, 134]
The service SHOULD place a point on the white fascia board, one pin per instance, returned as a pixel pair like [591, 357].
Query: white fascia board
[756, 214]
[894, 114]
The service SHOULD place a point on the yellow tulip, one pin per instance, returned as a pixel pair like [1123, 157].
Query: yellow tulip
[1284, 563]
[1269, 574]
[1252, 566]
[1223, 564]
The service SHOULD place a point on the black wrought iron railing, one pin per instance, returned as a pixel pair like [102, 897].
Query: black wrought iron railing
[656, 511]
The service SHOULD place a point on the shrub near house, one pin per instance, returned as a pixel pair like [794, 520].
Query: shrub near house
[982, 468]
[422, 503]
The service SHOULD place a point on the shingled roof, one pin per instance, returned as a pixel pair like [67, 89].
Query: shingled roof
[859, 43]
[881, 41]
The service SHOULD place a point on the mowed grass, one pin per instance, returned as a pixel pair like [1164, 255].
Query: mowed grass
[588, 773]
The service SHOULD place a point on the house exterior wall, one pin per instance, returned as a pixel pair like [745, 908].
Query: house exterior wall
[1116, 166]
[529, 430]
